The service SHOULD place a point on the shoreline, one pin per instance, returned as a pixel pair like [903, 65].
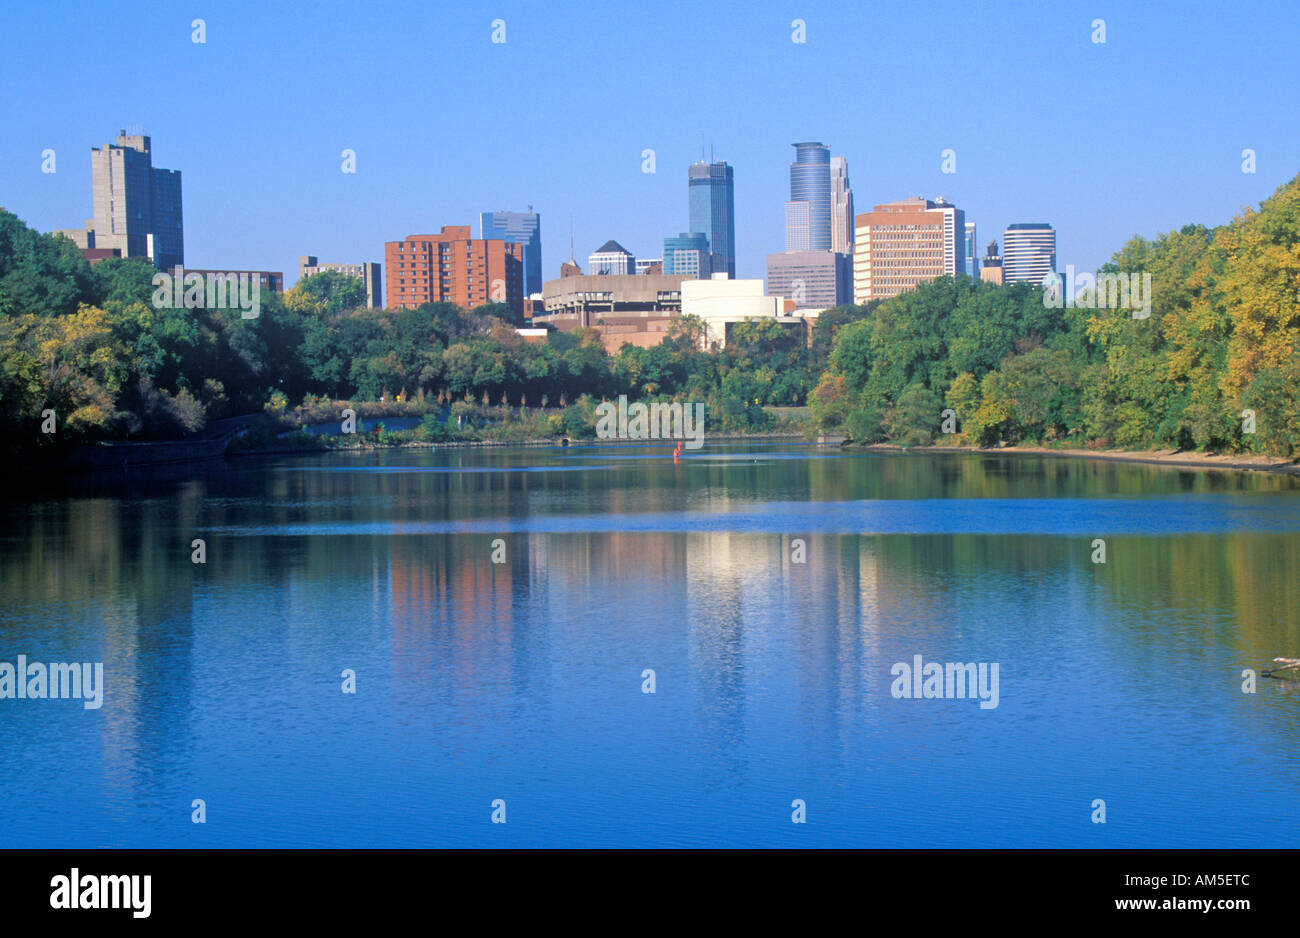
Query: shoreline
[1173, 459]
[1168, 458]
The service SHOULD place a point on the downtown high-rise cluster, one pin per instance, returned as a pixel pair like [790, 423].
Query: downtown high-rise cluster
[832, 255]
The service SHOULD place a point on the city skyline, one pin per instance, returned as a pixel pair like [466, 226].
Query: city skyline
[258, 200]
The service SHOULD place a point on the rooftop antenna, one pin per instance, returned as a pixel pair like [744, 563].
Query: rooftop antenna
[571, 260]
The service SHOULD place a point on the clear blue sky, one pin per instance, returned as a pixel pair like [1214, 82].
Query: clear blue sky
[1140, 135]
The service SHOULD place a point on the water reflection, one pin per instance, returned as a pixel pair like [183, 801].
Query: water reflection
[524, 676]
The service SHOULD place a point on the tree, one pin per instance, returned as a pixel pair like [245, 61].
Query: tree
[915, 418]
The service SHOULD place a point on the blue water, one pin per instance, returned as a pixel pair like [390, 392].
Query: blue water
[522, 680]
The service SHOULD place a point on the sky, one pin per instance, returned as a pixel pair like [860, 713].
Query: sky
[1140, 134]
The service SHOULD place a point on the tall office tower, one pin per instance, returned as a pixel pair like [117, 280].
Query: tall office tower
[519, 228]
[712, 211]
[137, 207]
[841, 207]
[808, 213]
[991, 268]
[688, 254]
[611, 258]
[972, 253]
[1028, 252]
[368, 273]
[452, 267]
[901, 244]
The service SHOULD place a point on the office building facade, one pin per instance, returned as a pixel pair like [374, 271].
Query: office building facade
[712, 211]
[523, 228]
[1028, 252]
[688, 254]
[899, 245]
[811, 279]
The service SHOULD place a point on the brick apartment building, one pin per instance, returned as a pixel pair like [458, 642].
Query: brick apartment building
[454, 267]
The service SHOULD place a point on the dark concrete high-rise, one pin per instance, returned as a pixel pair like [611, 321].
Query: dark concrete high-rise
[137, 207]
[712, 211]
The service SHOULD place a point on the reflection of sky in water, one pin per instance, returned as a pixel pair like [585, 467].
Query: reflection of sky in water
[522, 680]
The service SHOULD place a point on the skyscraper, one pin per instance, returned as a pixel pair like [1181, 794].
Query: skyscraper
[808, 213]
[1028, 252]
[518, 228]
[712, 211]
[972, 253]
[137, 207]
[841, 207]
[899, 245]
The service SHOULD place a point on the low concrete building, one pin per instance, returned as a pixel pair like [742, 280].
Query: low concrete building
[265, 279]
[721, 302]
[582, 301]
[615, 337]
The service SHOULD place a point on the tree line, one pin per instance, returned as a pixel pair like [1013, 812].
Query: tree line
[1215, 366]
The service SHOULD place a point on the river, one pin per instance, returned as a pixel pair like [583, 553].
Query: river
[500, 610]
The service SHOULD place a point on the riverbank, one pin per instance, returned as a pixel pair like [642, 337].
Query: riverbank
[364, 446]
[1174, 459]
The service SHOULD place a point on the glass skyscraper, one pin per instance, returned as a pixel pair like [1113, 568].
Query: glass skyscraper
[808, 213]
[519, 228]
[688, 255]
[712, 212]
[972, 252]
